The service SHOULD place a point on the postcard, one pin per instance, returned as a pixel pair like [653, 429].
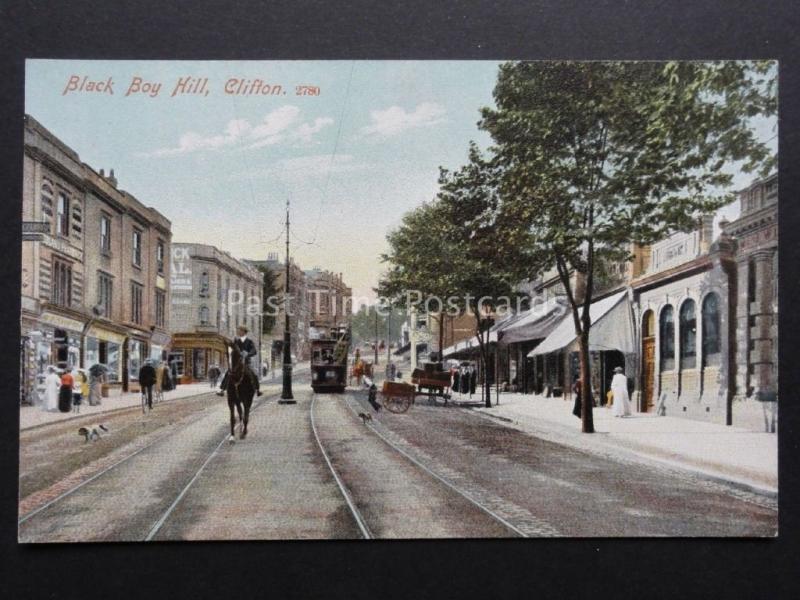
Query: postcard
[278, 300]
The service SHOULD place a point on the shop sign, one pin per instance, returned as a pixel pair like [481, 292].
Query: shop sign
[181, 270]
[106, 336]
[61, 322]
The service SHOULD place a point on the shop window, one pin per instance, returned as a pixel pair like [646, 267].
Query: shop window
[711, 333]
[135, 352]
[667, 341]
[688, 335]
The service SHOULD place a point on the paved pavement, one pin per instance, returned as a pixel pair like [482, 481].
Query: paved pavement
[726, 452]
[33, 416]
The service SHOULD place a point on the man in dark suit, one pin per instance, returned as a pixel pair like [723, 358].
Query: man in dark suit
[147, 378]
[248, 350]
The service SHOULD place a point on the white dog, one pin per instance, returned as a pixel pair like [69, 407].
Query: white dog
[93, 432]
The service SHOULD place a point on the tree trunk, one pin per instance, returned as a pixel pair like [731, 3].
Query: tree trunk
[587, 420]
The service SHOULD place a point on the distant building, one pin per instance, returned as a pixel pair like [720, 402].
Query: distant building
[212, 294]
[329, 299]
[298, 310]
[95, 268]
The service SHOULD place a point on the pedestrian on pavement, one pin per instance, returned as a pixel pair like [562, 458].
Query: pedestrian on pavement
[65, 392]
[78, 380]
[619, 387]
[52, 383]
[213, 375]
[162, 377]
[95, 388]
[147, 379]
[576, 390]
[173, 374]
[248, 349]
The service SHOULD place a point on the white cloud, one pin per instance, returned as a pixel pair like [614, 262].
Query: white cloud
[278, 125]
[395, 119]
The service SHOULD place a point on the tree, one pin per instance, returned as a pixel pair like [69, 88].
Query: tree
[269, 289]
[419, 262]
[362, 325]
[596, 156]
[451, 250]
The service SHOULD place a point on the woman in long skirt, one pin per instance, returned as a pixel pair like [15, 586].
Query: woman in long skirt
[619, 387]
[52, 383]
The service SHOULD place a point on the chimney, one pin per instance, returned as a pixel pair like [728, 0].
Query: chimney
[111, 179]
[102, 173]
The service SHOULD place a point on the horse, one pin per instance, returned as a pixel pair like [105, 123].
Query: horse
[240, 393]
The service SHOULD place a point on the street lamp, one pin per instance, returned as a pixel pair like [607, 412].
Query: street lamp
[286, 393]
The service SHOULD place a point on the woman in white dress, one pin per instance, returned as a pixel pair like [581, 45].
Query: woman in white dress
[52, 384]
[619, 387]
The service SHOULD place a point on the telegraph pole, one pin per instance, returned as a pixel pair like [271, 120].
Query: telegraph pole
[286, 393]
[376, 334]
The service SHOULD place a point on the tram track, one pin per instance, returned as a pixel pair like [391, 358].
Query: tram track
[357, 516]
[125, 459]
[428, 471]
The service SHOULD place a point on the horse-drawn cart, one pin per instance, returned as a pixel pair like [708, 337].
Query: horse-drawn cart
[399, 396]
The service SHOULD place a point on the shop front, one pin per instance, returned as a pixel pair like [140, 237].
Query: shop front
[611, 345]
[49, 340]
[104, 346]
[193, 354]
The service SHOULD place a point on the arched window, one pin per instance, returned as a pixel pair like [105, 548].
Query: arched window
[711, 341]
[688, 335]
[667, 335]
[204, 316]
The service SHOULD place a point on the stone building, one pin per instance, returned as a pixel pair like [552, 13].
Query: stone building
[212, 294]
[685, 333]
[95, 282]
[756, 351]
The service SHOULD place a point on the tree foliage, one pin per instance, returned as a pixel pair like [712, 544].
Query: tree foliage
[598, 155]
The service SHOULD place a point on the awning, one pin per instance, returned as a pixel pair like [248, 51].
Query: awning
[421, 347]
[473, 343]
[612, 328]
[534, 324]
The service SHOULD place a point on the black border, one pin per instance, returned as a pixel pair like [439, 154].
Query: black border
[201, 29]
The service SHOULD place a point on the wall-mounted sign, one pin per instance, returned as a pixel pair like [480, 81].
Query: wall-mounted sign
[181, 270]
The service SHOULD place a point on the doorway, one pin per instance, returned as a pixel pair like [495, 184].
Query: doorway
[648, 360]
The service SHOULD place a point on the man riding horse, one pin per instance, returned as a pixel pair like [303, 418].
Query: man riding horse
[248, 350]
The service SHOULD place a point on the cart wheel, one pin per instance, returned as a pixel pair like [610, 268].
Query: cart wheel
[396, 404]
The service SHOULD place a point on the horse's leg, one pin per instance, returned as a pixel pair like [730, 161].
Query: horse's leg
[239, 410]
[247, 404]
[233, 418]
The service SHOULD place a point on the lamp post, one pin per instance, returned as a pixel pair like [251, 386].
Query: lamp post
[286, 393]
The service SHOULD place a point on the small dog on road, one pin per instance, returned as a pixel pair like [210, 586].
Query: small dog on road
[365, 417]
[93, 432]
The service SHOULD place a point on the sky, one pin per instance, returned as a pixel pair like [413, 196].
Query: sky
[221, 166]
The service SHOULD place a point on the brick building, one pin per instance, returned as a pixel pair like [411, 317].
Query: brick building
[329, 299]
[212, 294]
[95, 282]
